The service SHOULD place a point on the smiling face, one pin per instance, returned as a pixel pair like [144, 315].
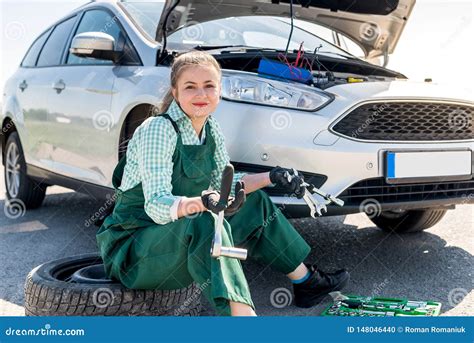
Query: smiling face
[197, 90]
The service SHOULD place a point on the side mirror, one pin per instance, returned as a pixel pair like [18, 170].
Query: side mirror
[97, 45]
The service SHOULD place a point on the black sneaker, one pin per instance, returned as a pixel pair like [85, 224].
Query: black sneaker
[318, 285]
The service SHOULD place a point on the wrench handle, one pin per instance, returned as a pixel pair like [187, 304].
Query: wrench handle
[226, 183]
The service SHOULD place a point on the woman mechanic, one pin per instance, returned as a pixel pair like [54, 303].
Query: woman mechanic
[160, 231]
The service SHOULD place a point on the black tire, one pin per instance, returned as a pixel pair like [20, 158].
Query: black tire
[54, 289]
[408, 221]
[30, 192]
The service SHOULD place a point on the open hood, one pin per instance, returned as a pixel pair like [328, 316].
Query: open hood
[376, 25]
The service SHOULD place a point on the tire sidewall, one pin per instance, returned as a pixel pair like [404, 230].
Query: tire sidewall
[44, 273]
[410, 221]
[13, 138]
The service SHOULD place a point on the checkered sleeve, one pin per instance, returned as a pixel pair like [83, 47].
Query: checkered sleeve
[155, 148]
[222, 159]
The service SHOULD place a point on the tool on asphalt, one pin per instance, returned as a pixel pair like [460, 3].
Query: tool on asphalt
[217, 250]
[314, 205]
[353, 305]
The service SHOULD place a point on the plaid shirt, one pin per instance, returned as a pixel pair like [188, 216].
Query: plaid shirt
[149, 161]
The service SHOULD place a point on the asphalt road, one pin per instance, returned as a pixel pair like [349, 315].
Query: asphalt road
[433, 265]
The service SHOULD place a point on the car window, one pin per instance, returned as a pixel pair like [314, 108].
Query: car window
[97, 21]
[325, 33]
[351, 47]
[32, 54]
[315, 29]
[52, 50]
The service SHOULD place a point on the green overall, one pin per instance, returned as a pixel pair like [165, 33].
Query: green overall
[142, 254]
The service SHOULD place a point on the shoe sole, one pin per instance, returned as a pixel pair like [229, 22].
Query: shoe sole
[318, 299]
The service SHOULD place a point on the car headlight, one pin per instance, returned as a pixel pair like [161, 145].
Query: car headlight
[248, 87]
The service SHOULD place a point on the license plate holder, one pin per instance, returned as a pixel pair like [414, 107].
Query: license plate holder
[402, 166]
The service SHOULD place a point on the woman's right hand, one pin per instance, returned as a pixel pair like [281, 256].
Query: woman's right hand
[210, 200]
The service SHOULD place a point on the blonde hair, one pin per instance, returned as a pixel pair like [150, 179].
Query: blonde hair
[182, 61]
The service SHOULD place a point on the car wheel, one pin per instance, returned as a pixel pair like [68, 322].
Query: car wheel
[78, 286]
[408, 220]
[18, 185]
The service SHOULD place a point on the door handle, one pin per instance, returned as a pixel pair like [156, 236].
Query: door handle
[23, 85]
[59, 86]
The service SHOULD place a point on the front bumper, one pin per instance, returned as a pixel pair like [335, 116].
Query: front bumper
[388, 197]
[354, 172]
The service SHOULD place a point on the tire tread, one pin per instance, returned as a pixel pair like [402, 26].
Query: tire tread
[59, 298]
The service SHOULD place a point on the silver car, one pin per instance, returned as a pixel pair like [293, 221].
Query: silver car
[401, 151]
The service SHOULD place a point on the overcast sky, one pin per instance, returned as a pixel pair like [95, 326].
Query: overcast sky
[436, 42]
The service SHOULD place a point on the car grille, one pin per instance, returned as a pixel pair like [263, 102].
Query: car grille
[383, 192]
[408, 121]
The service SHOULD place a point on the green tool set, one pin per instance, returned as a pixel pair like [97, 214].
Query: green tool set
[352, 305]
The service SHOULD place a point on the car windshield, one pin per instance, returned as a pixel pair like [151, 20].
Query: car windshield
[254, 31]
[146, 14]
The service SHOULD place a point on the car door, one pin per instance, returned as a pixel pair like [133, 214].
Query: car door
[31, 121]
[80, 107]
[40, 134]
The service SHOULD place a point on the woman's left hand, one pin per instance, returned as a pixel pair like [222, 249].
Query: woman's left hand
[278, 176]
[210, 199]
[236, 204]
